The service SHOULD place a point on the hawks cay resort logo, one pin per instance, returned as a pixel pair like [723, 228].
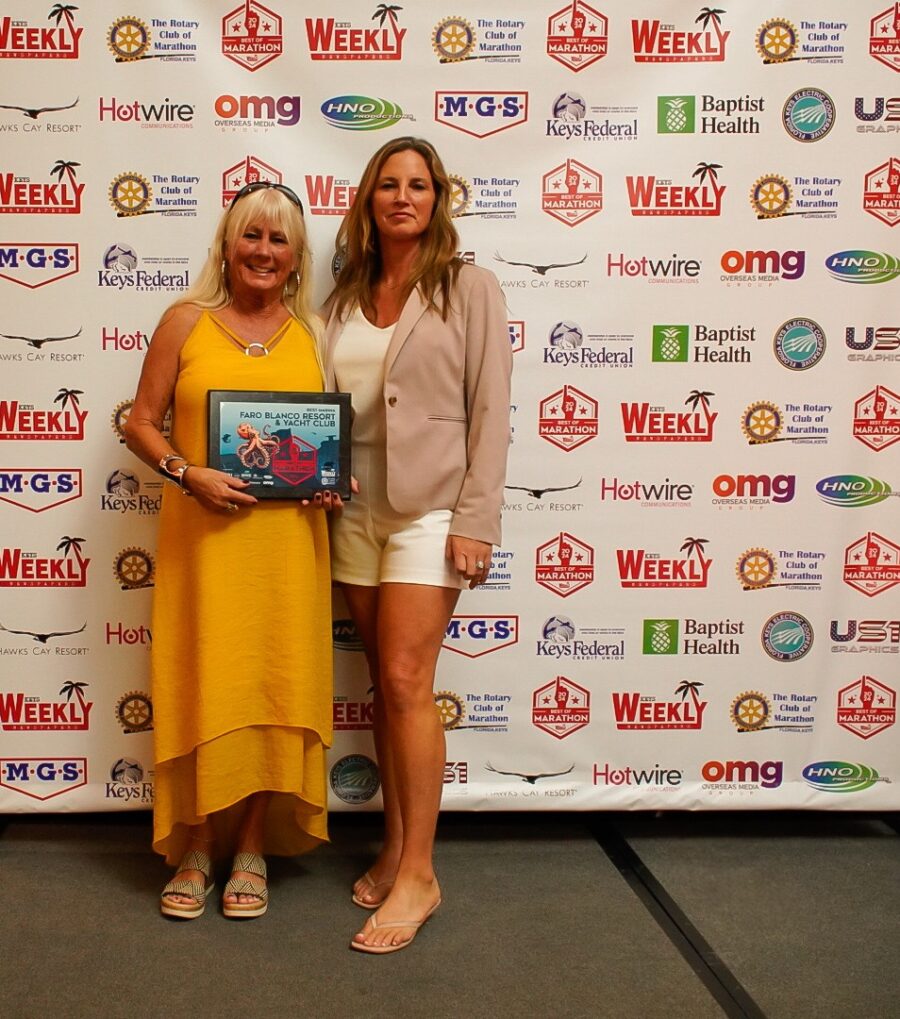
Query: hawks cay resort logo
[20, 712]
[329, 39]
[818, 41]
[763, 421]
[35, 264]
[881, 192]
[700, 636]
[121, 268]
[795, 569]
[872, 564]
[715, 115]
[33, 124]
[876, 418]
[256, 113]
[34, 353]
[252, 35]
[493, 40]
[485, 197]
[572, 192]
[881, 343]
[654, 42]
[884, 37]
[774, 195]
[21, 194]
[327, 195]
[20, 422]
[656, 196]
[41, 639]
[561, 638]
[362, 113]
[808, 114]
[577, 35]
[884, 117]
[165, 194]
[865, 636]
[866, 707]
[162, 114]
[570, 346]
[43, 778]
[39, 489]
[168, 39]
[481, 113]
[639, 568]
[546, 274]
[60, 41]
[535, 503]
[702, 343]
[645, 422]
[568, 418]
[635, 711]
[561, 707]
[564, 564]
[572, 118]
[25, 568]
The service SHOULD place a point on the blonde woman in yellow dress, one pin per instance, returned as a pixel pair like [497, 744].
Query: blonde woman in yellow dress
[241, 653]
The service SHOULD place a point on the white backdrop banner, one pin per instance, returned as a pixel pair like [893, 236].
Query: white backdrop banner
[691, 213]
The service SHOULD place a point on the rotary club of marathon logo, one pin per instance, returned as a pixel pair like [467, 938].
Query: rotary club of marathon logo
[252, 35]
[779, 42]
[866, 707]
[884, 37]
[129, 39]
[876, 418]
[572, 192]
[134, 712]
[772, 196]
[131, 194]
[568, 418]
[133, 568]
[577, 35]
[455, 39]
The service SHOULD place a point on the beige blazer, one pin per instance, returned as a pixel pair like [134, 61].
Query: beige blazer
[446, 402]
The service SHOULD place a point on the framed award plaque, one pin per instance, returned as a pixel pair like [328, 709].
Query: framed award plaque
[287, 445]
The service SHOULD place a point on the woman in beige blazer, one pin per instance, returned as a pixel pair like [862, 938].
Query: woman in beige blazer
[421, 342]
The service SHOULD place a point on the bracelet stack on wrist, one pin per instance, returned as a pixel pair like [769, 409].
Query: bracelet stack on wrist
[175, 474]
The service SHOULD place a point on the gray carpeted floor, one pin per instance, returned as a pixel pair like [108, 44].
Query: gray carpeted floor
[798, 912]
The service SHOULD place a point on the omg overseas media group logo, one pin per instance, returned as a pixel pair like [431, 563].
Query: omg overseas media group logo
[60, 41]
[821, 41]
[256, 113]
[577, 35]
[20, 194]
[252, 35]
[493, 40]
[131, 39]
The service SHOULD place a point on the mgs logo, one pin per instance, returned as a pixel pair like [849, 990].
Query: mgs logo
[561, 707]
[37, 264]
[577, 35]
[881, 192]
[872, 564]
[568, 418]
[37, 490]
[43, 778]
[564, 565]
[252, 35]
[876, 418]
[884, 37]
[572, 192]
[866, 707]
[481, 113]
[474, 636]
[651, 196]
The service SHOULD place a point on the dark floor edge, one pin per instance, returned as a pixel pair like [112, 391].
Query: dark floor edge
[716, 977]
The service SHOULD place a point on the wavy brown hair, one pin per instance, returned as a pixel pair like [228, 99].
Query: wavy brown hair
[436, 265]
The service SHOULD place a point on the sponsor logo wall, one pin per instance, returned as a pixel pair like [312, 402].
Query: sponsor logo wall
[691, 212]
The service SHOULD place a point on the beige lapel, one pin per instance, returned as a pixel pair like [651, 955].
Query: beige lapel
[413, 310]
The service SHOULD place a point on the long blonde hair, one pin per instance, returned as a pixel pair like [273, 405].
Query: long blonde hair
[436, 265]
[269, 206]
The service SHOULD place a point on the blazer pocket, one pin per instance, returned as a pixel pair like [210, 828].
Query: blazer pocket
[446, 417]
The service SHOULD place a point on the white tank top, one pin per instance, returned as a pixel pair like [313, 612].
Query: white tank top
[359, 370]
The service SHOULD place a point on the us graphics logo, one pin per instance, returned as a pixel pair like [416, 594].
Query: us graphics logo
[860, 636]
[866, 707]
[257, 113]
[19, 40]
[43, 778]
[329, 39]
[474, 636]
[643, 422]
[329, 195]
[481, 114]
[252, 35]
[808, 114]
[36, 264]
[21, 568]
[639, 568]
[655, 44]
[362, 113]
[561, 707]
[841, 776]
[653, 196]
[730, 344]
[565, 347]
[881, 192]
[757, 568]
[19, 194]
[643, 712]
[129, 40]
[772, 195]
[25, 713]
[777, 41]
[568, 418]
[883, 109]
[570, 120]
[147, 114]
[564, 565]
[884, 38]
[879, 344]
[22, 422]
[859, 266]
[872, 564]
[787, 636]
[561, 639]
[39, 489]
[876, 418]
[853, 490]
[577, 35]
[131, 194]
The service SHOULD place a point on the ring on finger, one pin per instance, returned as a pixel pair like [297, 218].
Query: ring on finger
[231, 507]
[479, 565]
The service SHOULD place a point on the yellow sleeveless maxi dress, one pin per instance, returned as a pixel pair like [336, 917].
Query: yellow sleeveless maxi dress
[241, 629]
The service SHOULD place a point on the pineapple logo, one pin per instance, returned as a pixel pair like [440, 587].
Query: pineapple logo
[675, 114]
[660, 636]
[670, 343]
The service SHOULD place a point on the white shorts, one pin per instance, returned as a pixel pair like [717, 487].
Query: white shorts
[371, 544]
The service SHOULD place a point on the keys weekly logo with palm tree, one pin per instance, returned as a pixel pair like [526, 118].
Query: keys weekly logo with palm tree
[18, 714]
[27, 196]
[41, 43]
[654, 44]
[329, 39]
[19, 423]
[21, 568]
[641, 711]
[649, 196]
[638, 568]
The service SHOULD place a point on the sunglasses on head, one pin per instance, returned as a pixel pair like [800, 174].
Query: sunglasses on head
[259, 185]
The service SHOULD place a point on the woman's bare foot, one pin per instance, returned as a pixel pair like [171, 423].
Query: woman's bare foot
[409, 900]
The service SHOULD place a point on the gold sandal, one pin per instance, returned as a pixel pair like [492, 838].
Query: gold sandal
[250, 863]
[196, 859]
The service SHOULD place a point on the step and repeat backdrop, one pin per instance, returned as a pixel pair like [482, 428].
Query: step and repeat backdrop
[690, 211]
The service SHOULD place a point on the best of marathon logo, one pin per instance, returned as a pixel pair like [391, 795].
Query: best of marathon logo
[884, 37]
[561, 707]
[564, 565]
[654, 196]
[22, 421]
[639, 568]
[19, 40]
[866, 707]
[329, 39]
[656, 43]
[568, 418]
[252, 35]
[35, 265]
[872, 564]
[643, 422]
[22, 195]
[20, 568]
[577, 35]
[636, 711]
[42, 778]
[39, 489]
[572, 192]
[779, 42]
[881, 192]
[130, 39]
[481, 113]
[876, 418]
[23, 713]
